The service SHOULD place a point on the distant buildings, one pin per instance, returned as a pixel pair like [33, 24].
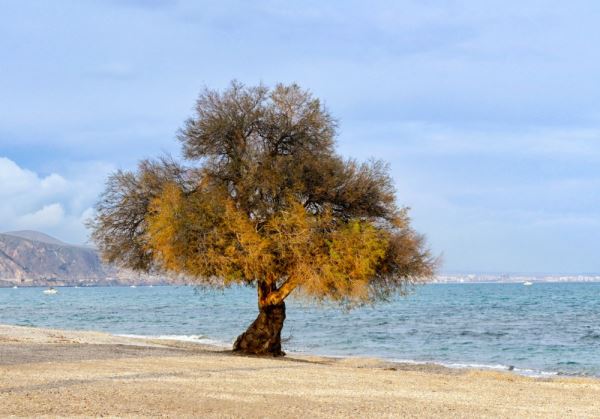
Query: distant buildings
[512, 278]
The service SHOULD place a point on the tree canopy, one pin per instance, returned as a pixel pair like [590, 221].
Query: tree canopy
[263, 199]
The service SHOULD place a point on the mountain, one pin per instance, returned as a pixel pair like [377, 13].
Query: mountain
[31, 258]
[36, 236]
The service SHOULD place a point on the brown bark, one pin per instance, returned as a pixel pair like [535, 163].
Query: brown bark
[263, 337]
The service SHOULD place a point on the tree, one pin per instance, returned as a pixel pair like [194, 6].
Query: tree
[264, 201]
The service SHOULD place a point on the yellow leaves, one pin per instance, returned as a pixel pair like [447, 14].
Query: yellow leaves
[349, 261]
[165, 223]
[183, 232]
[290, 234]
[204, 234]
[246, 247]
[356, 248]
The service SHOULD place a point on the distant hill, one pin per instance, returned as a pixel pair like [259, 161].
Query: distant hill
[30, 258]
[36, 236]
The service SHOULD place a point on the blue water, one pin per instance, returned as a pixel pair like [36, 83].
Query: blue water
[544, 328]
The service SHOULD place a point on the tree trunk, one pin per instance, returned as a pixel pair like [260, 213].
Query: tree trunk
[263, 337]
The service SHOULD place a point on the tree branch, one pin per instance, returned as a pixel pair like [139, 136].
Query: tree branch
[277, 297]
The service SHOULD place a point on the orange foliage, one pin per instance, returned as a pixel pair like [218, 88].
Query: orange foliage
[270, 204]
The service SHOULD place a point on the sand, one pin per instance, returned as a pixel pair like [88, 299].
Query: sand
[60, 373]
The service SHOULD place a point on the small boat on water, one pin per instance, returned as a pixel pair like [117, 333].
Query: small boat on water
[15, 287]
[527, 283]
[132, 286]
[50, 291]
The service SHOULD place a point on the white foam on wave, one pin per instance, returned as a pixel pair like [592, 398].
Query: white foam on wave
[201, 339]
[181, 338]
[494, 367]
[535, 373]
[454, 365]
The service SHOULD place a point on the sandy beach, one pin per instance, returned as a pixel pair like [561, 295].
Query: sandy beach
[62, 373]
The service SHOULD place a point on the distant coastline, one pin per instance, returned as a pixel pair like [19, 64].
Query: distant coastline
[147, 280]
[34, 259]
[512, 278]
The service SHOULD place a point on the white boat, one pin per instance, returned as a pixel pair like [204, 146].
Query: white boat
[132, 286]
[50, 291]
[527, 283]
[15, 287]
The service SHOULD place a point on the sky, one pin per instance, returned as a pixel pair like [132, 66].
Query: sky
[488, 112]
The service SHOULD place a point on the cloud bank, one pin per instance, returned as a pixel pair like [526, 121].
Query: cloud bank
[51, 203]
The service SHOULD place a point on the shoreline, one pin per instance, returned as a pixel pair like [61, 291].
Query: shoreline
[451, 365]
[206, 342]
[42, 335]
[73, 373]
[213, 344]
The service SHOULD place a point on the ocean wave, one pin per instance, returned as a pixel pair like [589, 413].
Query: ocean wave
[591, 336]
[494, 367]
[181, 338]
[528, 372]
[483, 334]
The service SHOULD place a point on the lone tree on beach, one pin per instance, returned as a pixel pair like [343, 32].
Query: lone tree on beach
[264, 200]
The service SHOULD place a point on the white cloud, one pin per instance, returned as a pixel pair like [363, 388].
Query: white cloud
[53, 183]
[13, 179]
[49, 216]
[54, 204]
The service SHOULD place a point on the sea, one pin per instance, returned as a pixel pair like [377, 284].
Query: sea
[546, 329]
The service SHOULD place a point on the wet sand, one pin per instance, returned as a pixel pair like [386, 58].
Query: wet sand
[62, 373]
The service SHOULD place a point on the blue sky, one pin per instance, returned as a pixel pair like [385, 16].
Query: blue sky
[488, 112]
